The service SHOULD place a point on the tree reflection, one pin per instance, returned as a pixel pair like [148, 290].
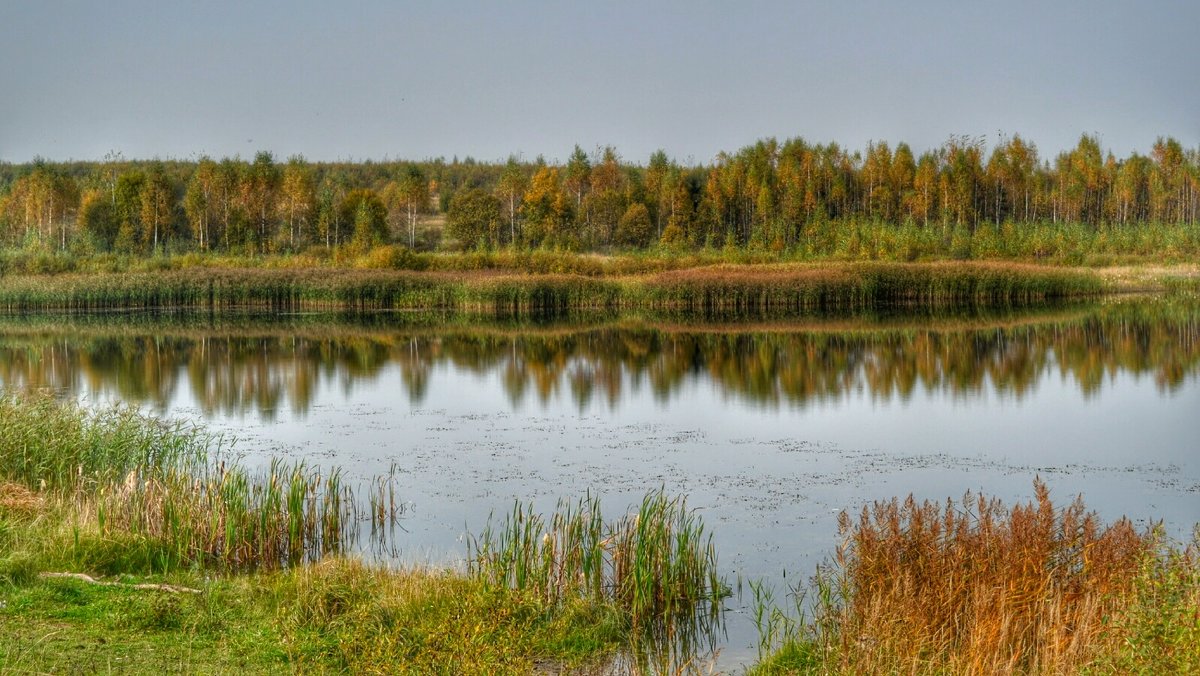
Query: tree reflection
[232, 371]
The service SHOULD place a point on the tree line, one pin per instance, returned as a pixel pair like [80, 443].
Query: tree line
[767, 194]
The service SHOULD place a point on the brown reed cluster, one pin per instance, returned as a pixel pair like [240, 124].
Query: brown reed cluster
[977, 588]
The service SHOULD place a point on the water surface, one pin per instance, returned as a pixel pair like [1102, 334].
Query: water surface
[771, 429]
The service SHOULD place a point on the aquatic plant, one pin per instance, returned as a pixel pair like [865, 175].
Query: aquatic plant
[653, 563]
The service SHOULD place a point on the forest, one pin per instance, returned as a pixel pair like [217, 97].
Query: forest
[959, 200]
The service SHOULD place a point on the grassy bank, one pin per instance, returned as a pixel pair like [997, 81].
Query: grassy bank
[179, 561]
[974, 587]
[754, 289]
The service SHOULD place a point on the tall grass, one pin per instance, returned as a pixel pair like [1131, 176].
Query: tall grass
[652, 563]
[863, 286]
[974, 587]
[117, 474]
[233, 519]
[45, 443]
[738, 289]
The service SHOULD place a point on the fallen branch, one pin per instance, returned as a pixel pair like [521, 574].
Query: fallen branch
[174, 589]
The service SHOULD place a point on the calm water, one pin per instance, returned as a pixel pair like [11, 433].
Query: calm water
[770, 429]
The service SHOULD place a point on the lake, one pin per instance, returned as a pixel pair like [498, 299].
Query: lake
[770, 428]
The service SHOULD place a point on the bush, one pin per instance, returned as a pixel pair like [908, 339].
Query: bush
[391, 257]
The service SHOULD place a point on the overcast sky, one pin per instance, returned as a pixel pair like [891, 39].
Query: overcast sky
[356, 80]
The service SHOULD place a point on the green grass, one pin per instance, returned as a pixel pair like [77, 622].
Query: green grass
[46, 444]
[66, 626]
[336, 616]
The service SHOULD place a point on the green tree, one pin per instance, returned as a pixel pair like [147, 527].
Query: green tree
[511, 187]
[656, 188]
[129, 211]
[331, 225]
[474, 218]
[922, 202]
[157, 207]
[98, 219]
[363, 208]
[201, 202]
[414, 198]
[297, 198]
[259, 191]
[578, 175]
[635, 228]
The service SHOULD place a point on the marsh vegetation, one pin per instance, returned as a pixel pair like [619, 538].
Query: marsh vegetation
[973, 586]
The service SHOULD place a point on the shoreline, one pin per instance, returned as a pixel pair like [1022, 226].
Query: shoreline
[763, 289]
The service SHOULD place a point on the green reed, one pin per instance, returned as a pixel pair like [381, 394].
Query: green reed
[234, 519]
[118, 473]
[654, 563]
[48, 444]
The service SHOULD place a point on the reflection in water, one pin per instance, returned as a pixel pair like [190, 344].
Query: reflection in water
[238, 369]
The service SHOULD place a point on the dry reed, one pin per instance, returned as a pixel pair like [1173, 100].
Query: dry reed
[977, 588]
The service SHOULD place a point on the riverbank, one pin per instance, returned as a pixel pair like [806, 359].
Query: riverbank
[130, 544]
[710, 290]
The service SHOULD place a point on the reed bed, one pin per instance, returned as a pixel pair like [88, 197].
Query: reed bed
[975, 587]
[759, 289]
[232, 519]
[865, 286]
[115, 474]
[48, 444]
[654, 563]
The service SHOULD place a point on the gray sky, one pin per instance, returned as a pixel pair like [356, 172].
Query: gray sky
[359, 80]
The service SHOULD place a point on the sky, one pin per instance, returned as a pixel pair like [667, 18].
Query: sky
[380, 79]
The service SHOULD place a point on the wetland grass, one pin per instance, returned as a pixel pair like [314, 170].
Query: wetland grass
[115, 474]
[974, 587]
[46, 444]
[655, 567]
[719, 289]
[654, 562]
